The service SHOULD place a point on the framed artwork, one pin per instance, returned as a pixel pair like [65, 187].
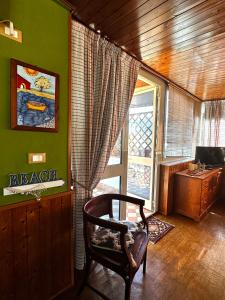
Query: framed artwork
[34, 98]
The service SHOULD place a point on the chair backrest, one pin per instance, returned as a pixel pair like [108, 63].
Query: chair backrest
[94, 209]
[99, 206]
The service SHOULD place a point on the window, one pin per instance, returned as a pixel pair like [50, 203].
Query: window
[108, 186]
[115, 157]
[182, 124]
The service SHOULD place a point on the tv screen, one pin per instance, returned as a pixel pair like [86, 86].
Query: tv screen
[211, 156]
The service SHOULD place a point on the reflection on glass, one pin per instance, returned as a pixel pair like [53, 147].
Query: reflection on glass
[115, 157]
[108, 186]
[138, 182]
[140, 125]
[140, 145]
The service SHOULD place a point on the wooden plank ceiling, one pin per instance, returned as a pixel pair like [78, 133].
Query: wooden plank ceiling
[184, 40]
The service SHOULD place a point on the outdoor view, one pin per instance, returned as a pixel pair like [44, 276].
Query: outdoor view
[107, 186]
[140, 145]
[139, 152]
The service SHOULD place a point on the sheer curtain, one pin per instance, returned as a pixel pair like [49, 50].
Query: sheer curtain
[213, 123]
[103, 82]
[182, 124]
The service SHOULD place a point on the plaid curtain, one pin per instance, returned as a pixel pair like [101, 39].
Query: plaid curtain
[103, 82]
[213, 123]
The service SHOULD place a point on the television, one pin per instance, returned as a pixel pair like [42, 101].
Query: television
[210, 156]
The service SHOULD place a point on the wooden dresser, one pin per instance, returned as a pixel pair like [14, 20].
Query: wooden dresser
[194, 195]
[167, 173]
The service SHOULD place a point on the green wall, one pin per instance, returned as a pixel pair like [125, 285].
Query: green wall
[44, 24]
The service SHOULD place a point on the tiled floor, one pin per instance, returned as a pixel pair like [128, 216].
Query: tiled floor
[132, 211]
[133, 214]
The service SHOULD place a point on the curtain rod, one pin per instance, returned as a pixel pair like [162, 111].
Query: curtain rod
[170, 82]
[186, 93]
[143, 65]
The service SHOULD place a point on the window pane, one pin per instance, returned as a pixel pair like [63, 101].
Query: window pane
[180, 134]
[141, 125]
[115, 157]
[140, 145]
[109, 185]
[138, 180]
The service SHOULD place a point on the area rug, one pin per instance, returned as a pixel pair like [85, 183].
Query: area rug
[157, 229]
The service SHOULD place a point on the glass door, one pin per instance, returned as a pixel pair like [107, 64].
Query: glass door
[141, 144]
[131, 167]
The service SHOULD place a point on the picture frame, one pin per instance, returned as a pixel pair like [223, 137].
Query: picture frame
[34, 98]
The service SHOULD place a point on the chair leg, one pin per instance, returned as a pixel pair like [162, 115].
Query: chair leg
[145, 262]
[85, 276]
[127, 289]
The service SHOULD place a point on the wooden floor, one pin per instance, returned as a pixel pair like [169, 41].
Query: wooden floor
[188, 263]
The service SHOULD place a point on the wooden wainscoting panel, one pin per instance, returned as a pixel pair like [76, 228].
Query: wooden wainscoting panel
[20, 252]
[33, 243]
[57, 245]
[66, 228]
[36, 248]
[6, 256]
[46, 248]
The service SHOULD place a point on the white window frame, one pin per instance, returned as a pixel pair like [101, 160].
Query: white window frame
[120, 170]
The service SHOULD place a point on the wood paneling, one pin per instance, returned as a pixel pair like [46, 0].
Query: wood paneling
[36, 250]
[6, 256]
[184, 40]
[140, 84]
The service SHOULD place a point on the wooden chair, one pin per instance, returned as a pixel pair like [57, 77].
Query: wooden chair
[128, 260]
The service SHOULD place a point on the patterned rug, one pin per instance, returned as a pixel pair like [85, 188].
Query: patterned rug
[157, 229]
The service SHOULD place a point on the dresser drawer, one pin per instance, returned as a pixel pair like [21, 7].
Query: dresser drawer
[194, 195]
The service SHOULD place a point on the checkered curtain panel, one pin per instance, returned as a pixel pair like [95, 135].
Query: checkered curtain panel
[103, 82]
[213, 123]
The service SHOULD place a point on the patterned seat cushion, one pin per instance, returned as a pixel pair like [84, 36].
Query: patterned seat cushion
[108, 239]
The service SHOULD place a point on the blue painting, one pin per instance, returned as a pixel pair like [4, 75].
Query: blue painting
[35, 98]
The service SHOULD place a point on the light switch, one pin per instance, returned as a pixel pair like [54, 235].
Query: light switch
[36, 158]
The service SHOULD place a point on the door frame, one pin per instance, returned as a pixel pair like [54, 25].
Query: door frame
[147, 161]
[159, 130]
[120, 170]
